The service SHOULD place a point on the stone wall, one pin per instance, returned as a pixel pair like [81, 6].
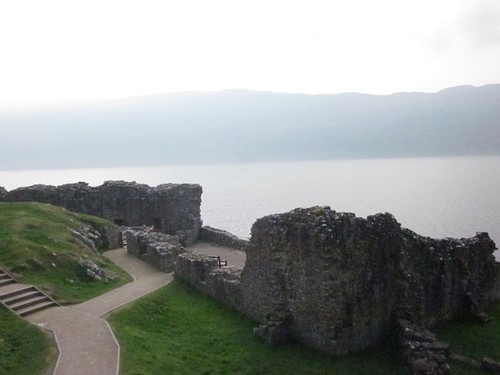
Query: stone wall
[3, 193]
[422, 352]
[158, 249]
[223, 238]
[340, 281]
[170, 208]
[496, 289]
[203, 273]
[103, 237]
[114, 237]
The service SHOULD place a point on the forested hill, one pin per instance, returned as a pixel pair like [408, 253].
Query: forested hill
[239, 125]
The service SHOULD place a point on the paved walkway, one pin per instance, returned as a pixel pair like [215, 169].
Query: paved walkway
[146, 279]
[86, 342]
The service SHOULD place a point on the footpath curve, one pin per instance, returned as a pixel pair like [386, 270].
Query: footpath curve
[86, 342]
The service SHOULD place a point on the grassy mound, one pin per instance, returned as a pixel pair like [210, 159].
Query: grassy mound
[38, 247]
[24, 349]
[176, 330]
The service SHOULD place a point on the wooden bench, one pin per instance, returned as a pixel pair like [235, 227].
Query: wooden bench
[221, 262]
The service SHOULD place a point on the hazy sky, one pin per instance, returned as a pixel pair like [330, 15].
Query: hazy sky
[58, 50]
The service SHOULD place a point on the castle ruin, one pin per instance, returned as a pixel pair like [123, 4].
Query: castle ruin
[333, 281]
[169, 208]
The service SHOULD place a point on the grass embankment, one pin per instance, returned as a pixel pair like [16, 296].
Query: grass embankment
[474, 340]
[176, 330]
[24, 349]
[37, 247]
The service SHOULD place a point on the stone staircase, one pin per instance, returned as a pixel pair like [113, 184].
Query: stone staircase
[5, 278]
[20, 298]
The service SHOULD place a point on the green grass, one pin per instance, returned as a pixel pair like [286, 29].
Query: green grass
[37, 247]
[176, 330]
[474, 340]
[24, 349]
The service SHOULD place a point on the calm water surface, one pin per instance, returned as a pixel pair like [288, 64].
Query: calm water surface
[438, 197]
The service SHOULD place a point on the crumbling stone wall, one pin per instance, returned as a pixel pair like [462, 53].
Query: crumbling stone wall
[158, 249]
[340, 281]
[3, 193]
[223, 238]
[170, 208]
[203, 273]
[422, 351]
[496, 289]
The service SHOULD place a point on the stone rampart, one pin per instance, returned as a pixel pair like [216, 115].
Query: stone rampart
[223, 238]
[158, 249]
[170, 208]
[340, 281]
[203, 273]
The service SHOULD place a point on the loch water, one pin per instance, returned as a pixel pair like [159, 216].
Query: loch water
[437, 197]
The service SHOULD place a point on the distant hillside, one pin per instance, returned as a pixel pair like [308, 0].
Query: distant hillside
[243, 125]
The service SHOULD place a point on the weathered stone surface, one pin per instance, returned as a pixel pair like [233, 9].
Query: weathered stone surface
[421, 350]
[274, 331]
[469, 362]
[343, 280]
[3, 193]
[170, 208]
[91, 270]
[490, 364]
[496, 289]
[111, 237]
[158, 249]
[203, 272]
[98, 237]
[87, 237]
[223, 238]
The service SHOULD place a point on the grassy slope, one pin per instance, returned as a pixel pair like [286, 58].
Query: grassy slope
[37, 247]
[177, 330]
[24, 349]
[474, 340]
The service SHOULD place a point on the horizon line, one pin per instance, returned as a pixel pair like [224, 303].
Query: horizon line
[75, 101]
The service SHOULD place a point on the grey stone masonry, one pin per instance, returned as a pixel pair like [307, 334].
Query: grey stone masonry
[496, 289]
[203, 273]
[158, 249]
[423, 353]
[3, 193]
[340, 281]
[169, 208]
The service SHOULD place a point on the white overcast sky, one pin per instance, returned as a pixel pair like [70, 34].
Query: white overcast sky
[65, 50]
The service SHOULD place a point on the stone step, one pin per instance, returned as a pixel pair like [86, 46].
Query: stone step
[16, 292]
[39, 298]
[21, 296]
[36, 308]
[7, 282]
[22, 299]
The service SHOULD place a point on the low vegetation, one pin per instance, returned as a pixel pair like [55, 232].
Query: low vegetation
[38, 247]
[176, 330]
[474, 340]
[24, 349]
